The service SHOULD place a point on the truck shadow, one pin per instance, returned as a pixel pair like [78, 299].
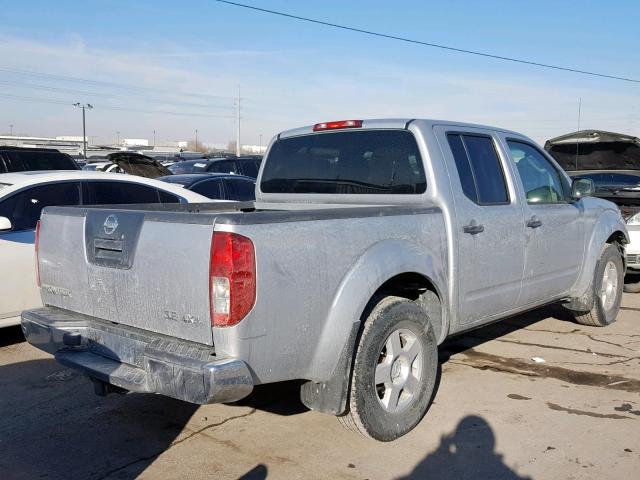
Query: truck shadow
[474, 338]
[466, 453]
[11, 336]
[53, 426]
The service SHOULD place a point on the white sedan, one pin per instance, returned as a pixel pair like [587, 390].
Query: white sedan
[23, 196]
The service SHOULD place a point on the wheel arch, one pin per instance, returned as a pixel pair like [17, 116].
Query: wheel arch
[391, 267]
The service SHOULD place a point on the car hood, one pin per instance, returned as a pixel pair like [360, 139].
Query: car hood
[595, 150]
[140, 165]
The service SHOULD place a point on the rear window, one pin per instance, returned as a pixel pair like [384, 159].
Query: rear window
[353, 162]
[189, 167]
[17, 161]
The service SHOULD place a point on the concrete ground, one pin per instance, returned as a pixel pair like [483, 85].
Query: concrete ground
[498, 414]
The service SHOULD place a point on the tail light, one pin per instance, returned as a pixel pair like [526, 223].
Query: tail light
[232, 278]
[37, 245]
[337, 125]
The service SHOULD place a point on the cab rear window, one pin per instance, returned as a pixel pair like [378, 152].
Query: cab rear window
[349, 162]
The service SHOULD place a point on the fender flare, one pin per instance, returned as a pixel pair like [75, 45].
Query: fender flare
[334, 353]
[608, 223]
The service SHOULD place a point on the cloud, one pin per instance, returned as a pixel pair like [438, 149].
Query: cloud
[282, 90]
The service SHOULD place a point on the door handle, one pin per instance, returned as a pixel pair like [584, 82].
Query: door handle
[473, 228]
[534, 222]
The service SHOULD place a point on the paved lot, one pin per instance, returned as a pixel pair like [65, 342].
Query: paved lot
[497, 414]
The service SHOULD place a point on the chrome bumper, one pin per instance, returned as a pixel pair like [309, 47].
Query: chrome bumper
[137, 360]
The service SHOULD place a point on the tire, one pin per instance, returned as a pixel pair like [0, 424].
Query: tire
[606, 306]
[397, 343]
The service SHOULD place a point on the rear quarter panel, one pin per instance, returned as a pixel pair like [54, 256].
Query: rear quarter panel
[314, 279]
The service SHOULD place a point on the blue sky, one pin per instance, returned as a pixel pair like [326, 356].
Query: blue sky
[187, 54]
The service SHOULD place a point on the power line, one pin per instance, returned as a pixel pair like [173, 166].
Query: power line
[105, 107]
[64, 78]
[429, 44]
[107, 95]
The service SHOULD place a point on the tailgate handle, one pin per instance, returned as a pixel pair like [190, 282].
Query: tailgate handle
[106, 244]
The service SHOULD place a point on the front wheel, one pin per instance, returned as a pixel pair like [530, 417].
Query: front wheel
[607, 287]
[394, 371]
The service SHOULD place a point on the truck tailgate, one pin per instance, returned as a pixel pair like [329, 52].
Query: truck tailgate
[130, 267]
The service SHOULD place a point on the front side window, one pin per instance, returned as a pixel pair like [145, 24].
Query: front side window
[479, 169]
[540, 179]
[114, 193]
[24, 208]
[346, 162]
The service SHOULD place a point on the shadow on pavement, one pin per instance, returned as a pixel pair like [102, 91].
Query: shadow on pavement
[467, 453]
[53, 426]
[11, 336]
[474, 338]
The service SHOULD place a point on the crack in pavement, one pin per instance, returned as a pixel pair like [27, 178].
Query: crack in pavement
[573, 411]
[556, 347]
[487, 361]
[177, 442]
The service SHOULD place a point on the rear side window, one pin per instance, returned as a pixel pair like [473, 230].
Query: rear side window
[24, 208]
[209, 188]
[479, 168]
[240, 189]
[353, 162]
[166, 197]
[22, 161]
[114, 193]
[249, 168]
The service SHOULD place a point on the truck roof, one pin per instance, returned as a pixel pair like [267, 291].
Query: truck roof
[403, 123]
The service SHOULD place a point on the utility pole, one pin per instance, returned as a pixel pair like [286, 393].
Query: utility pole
[577, 141]
[260, 146]
[154, 139]
[238, 120]
[84, 126]
[118, 139]
[196, 139]
[11, 128]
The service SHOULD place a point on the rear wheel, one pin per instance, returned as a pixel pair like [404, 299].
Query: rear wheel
[607, 289]
[394, 371]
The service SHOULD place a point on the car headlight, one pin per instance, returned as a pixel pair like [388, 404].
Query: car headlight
[634, 220]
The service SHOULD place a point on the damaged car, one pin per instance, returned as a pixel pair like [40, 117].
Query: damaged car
[612, 161]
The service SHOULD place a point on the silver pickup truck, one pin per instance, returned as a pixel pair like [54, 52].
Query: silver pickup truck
[369, 244]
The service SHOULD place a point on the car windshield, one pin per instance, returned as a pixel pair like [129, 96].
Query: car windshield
[612, 181]
[191, 166]
[346, 162]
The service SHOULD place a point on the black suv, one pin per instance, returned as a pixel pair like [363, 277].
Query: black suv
[18, 159]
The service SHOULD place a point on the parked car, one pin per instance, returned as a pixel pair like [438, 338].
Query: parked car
[217, 186]
[247, 166]
[612, 162]
[18, 159]
[370, 242]
[24, 195]
[107, 167]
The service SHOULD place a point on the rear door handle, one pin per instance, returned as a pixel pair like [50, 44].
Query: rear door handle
[534, 222]
[473, 228]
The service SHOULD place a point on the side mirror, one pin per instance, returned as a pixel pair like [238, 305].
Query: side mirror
[582, 187]
[5, 224]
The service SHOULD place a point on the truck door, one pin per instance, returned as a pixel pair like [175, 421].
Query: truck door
[488, 225]
[555, 235]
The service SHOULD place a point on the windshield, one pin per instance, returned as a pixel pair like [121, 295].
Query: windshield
[188, 167]
[347, 162]
[611, 181]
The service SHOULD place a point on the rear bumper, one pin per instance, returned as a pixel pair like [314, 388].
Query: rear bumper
[137, 360]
